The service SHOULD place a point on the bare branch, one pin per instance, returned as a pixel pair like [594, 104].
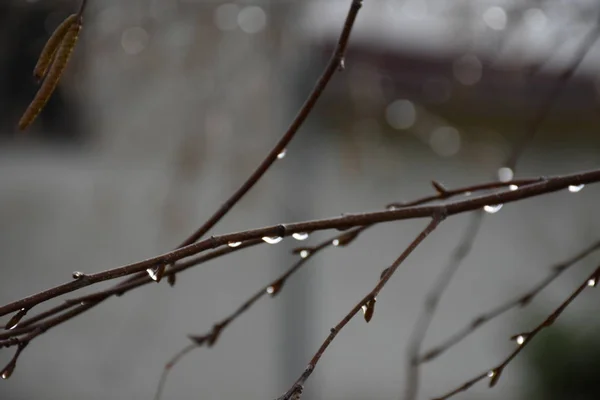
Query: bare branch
[544, 186]
[523, 339]
[366, 301]
[519, 301]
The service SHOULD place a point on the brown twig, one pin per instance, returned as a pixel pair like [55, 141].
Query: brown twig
[523, 339]
[432, 300]
[272, 289]
[367, 302]
[466, 244]
[544, 186]
[520, 301]
[535, 123]
[336, 63]
[142, 279]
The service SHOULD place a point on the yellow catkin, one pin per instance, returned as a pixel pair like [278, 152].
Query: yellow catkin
[51, 46]
[55, 70]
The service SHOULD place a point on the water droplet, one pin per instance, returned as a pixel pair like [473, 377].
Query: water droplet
[300, 235]
[10, 368]
[369, 309]
[392, 207]
[272, 239]
[492, 209]
[467, 193]
[491, 374]
[342, 65]
[78, 275]
[576, 188]
[282, 154]
[14, 321]
[505, 174]
[335, 242]
[513, 187]
[7, 373]
[234, 244]
[153, 273]
[304, 253]
[591, 282]
[520, 339]
[275, 288]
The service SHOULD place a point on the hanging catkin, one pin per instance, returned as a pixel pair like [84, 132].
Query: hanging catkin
[49, 51]
[55, 70]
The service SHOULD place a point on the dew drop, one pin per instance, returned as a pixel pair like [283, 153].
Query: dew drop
[8, 372]
[300, 235]
[78, 275]
[513, 187]
[520, 339]
[505, 174]
[576, 188]
[153, 273]
[467, 193]
[282, 154]
[272, 239]
[304, 253]
[14, 321]
[275, 288]
[335, 242]
[234, 244]
[591, 282]
[491, 374]
[492, 209]
[342, 65]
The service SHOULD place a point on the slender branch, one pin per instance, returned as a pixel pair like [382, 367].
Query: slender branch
[272, 289]
[172, 362]
[519, 301]
[84, 303]
[142, 279]
[367, 303]
[82, 7]
[534, 125]
[431, 303]
[462, 251]
[548, 185]
[523, 339]
[335, 63]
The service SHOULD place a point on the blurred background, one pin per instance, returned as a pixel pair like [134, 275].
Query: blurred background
[168, 104]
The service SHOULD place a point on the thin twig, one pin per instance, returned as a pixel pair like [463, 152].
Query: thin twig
[335, 63]
[523, 339]
[548, 185]
[172, 362]
[272, 289]
[142, 279]
[367, 301]
[520, 301]
[534, 125]
[431, 303]
[464, 247]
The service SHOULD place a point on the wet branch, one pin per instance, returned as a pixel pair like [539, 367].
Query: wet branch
[521, 301]
[523, 339]
[367, 304]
